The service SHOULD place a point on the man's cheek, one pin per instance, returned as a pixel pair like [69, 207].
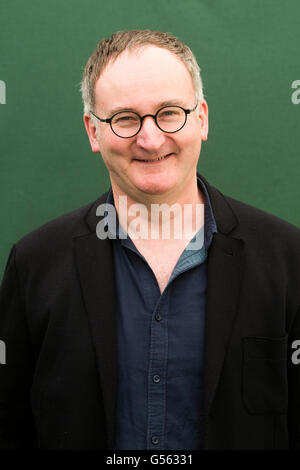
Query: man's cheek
[113, 146]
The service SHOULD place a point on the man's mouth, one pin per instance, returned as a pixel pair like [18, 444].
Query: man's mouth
[152, 160]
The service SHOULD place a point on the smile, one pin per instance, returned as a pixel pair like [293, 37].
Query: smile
[155, 159]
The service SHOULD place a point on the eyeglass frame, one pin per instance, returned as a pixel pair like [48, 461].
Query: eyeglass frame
[141, 118]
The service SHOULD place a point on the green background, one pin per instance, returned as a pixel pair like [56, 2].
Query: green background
[248, 51]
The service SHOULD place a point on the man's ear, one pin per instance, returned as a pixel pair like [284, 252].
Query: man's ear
[91, 132]
[203, 115]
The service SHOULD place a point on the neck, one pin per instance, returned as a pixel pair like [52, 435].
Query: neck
[174, 216]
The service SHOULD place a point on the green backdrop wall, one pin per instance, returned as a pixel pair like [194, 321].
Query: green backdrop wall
[248, 52]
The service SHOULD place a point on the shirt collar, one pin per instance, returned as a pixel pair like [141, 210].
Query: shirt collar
[117, 231]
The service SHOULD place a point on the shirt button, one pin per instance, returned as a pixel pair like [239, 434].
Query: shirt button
[156, 379]
[154, 440]
[158, 317]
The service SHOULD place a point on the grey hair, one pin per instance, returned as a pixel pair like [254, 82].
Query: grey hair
[109, 49]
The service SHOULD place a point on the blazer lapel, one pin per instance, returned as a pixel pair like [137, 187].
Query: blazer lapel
[94, 262]
[224, 275]
[223, 287]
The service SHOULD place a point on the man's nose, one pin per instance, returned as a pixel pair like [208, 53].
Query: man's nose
[150, 136]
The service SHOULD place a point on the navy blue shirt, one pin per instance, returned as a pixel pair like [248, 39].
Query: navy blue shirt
[161, 346]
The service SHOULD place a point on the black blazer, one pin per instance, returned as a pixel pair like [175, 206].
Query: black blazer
[57, 319]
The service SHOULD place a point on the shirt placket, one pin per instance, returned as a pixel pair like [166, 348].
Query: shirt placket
[157, 375]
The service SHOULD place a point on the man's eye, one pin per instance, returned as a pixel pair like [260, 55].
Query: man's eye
[124, 118]
[169, 114]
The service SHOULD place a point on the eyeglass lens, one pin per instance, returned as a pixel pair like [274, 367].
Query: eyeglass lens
[168, 119]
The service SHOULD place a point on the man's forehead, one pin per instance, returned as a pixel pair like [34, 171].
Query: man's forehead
[148, 60]
[156, 104]
[147, 76]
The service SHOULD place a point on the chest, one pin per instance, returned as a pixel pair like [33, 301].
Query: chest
[162, 260]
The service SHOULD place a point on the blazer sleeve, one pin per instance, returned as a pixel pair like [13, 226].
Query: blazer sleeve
[16, 364]
[294, 384]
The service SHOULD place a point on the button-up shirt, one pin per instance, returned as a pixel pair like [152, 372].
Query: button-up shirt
[161, 346]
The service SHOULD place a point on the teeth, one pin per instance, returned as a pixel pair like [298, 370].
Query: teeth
[155, 159]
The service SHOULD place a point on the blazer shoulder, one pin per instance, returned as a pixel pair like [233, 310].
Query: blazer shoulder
[59, 230]
[267, 225]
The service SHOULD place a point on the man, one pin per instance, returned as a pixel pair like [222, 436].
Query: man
[120, 339]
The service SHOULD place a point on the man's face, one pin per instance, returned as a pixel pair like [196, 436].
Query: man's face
[143, 81]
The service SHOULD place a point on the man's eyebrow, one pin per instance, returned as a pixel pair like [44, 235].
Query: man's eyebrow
[172, 102]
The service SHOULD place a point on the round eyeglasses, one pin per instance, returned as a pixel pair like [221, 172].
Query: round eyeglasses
[126, 124]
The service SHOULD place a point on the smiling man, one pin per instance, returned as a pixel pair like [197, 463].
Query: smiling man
[152, 160]
[118, 337]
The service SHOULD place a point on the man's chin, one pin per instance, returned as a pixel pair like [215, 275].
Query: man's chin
[155, 184]
[158, 188]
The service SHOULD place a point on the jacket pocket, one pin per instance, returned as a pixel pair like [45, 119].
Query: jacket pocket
[264, 376]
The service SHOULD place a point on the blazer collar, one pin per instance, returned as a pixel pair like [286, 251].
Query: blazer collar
[91, 217]
[225, 217]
